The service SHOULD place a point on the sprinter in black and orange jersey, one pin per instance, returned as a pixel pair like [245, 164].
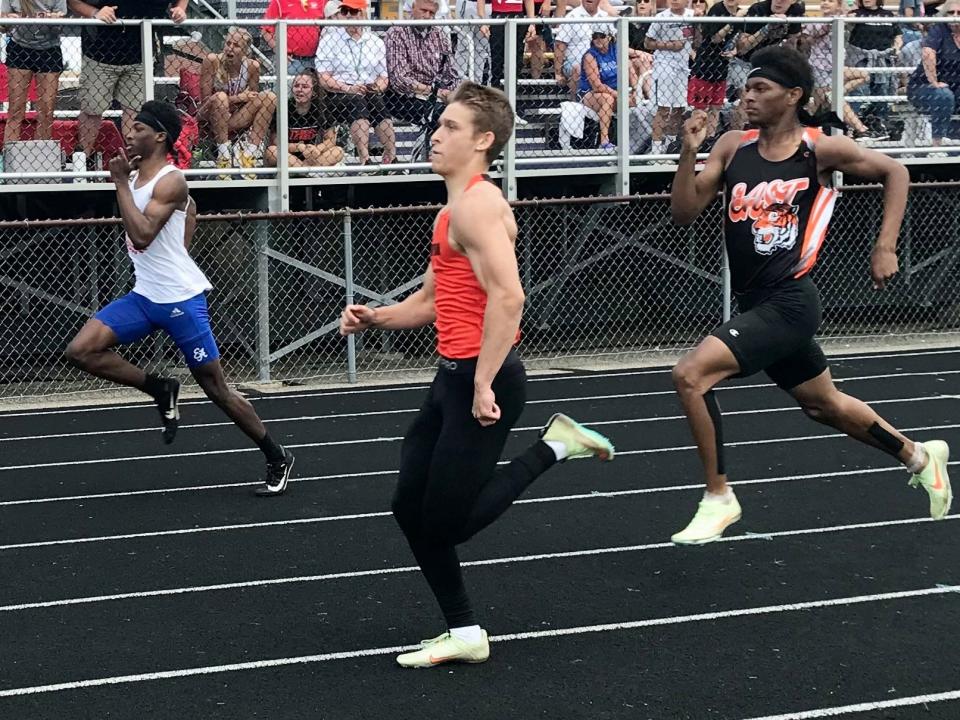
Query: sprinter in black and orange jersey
[449, 485]
[778, 197]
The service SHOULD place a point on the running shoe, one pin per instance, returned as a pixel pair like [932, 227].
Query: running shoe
[278, 476]
[712, 518]
[446, 648]
[580, 441]
[934, 478]
[169, 411]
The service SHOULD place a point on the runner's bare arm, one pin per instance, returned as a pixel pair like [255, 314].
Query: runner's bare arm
[142, 227]
[843, 154]
[692, 192]
[476, 224]
[190, 226]
[416, 311]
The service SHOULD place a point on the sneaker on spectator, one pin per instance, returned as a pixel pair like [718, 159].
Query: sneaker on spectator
[607, 147]
[247, 160]
[224, 162]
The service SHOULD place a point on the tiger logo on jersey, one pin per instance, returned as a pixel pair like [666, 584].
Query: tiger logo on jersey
[776, 228]
[770, 205]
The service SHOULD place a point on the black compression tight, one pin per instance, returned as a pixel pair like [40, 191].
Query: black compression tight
[450, 487]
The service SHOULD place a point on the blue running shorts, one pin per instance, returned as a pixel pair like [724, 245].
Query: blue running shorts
[133, 317]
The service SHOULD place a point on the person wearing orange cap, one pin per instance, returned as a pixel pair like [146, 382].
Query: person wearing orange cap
[352, 66]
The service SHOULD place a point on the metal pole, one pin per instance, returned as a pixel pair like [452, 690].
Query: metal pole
[348, 287]
[283, 141]
[623, 108]
[262, 235]
[727, 291]
[146, 39]
[510, 71]
[837, 40]
[232, 9]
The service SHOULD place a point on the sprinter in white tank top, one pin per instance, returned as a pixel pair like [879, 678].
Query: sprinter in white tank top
[169, 294]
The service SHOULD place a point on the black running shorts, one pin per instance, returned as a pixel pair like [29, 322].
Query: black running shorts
[775, 333]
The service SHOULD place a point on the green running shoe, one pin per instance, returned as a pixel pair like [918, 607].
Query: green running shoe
[934, 478]
[446, 648]
[579, 441]
[712, 518]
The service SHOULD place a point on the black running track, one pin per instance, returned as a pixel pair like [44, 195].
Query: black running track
[145, 581]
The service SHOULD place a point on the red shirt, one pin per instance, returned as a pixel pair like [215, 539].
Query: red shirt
[512, 7]
[302, 39]
[459, 299]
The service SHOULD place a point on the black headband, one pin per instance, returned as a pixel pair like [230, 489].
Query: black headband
[150, 120]
[780, 76]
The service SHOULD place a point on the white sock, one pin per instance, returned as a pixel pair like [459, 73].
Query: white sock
[670, 139]
[559, 449]
[469, 633]
[723, 497]
[918, 460]
[252, 149]
[658, 147]
[223, 150]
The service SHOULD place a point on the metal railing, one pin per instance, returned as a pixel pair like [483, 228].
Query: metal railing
[558, 128]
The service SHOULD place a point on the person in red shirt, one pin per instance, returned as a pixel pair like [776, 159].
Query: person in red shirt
[301, 39]
[449, 485]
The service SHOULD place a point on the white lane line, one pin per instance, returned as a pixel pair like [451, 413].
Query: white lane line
[572, 375]
[865, 707]
[395, 438]
[374, 413]
[513, 637]
[472, 563]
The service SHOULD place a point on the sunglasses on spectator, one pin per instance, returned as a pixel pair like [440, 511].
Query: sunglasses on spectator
[349, 11]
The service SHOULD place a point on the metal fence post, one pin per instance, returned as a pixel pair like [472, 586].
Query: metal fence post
[282, 188]
[837, 42]
[510, 71]
[725, 278]
[623, 107]
[262, 242]
[348, 287]
[146, 39]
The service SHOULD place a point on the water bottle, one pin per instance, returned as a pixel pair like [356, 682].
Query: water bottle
[79, 162]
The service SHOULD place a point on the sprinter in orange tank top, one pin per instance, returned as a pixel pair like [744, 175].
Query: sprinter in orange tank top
[778, 200]
[449, 485]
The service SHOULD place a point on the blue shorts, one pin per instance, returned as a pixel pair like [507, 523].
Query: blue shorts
[133, 317]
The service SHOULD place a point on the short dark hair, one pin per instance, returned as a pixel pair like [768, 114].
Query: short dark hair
[491, 112]
[169, 119]
[790, 64]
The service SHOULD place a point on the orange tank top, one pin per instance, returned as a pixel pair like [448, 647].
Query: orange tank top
[459, 299]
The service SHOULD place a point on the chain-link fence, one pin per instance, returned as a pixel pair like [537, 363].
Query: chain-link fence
[606, 279]
[310, 98]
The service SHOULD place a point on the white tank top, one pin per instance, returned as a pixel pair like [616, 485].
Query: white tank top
[165, 272]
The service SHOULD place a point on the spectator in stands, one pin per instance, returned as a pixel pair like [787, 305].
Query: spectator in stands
[301, 39]
[707, 89]
[232, 102]
[473, 44]
[312, 137]
[565, 6]
[33, 51]
[874, 45]
[671, 44]
[934, 87]
[571, 42]
[773, 29]
[541, 39]
[352, 65]
[112, 64]
[443, 10]
[816, 39]
[598, 82]
[506, 9]
[911, 8]
[418, 57]
[637, 32]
